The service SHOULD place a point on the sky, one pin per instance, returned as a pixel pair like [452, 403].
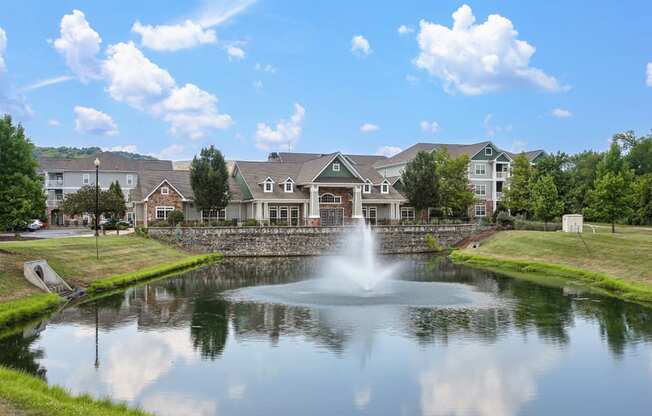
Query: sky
[167, 78]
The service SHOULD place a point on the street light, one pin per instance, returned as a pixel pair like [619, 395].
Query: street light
[97, 204]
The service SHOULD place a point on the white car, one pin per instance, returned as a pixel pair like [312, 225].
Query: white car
[35, 225]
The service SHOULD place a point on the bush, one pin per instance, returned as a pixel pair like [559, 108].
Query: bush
[251, 223]
[504, 220]
[141, 231]
[536, 226]
[433, 244]
[175, 217]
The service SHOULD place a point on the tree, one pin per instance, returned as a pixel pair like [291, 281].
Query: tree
[516, 197]
[83, 202]
[642, 189]
[612, 197]
[557, 166]
[420, 184]
[21, 191]
[639, 156]
[582, 172]
[612, 161]
[209, 180]
[455, 195]
[545, 199]
[113, 202]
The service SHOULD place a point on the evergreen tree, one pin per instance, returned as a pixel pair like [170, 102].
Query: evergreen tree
[21, 191]
[545, 199]
[209, 179]
[516, 196]
[612, 197]
[114, 203]
[420, 184]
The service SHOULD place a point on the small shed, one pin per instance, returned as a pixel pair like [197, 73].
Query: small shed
[572, 223]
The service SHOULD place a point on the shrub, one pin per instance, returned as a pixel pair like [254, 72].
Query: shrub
[251, 223]
[175, 217]
[504, 220]
[536, 226]
[141, 231]
[433, 244]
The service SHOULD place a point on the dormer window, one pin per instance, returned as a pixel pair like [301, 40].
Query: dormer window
[488, 151]
[366, 188]
[288, 185]
[336, 167]
[384, 187]
[268, 185]
[165, 190]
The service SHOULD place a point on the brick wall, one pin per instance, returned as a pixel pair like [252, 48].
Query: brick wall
[173, 199]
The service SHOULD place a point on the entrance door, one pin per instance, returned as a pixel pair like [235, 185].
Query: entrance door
[331, 216]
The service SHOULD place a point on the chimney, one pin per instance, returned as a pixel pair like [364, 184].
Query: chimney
[273, 157]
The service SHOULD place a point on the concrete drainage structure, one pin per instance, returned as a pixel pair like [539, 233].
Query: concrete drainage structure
[40, 274]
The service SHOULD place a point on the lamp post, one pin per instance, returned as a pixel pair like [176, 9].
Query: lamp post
[97, 204]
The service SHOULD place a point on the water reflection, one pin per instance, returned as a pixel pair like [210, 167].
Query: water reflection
[179, 346]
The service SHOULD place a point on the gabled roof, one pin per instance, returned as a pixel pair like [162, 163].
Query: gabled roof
[314, 167]
[290, 157]
[180, 180]
[255, 173]
[108, 162]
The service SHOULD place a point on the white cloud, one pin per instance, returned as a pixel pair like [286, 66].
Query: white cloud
[3, 49]
[479, 58]
[235, 53]
[405, 30]
[79, 44]
[172, 152]
[258, 85]
[388, 151]
[265, 68]
[176, 404]
[91, 121]
[369, 127]
[491, 129]
[360, 46]
[648, 80]
[214, 13]
[46, 82]
[431, 127]
[173, 37]
[53, 122]
[284, 135]
[129, 148]
[132, 78]
[561, 113]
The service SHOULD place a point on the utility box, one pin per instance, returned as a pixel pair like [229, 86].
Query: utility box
[572, 223]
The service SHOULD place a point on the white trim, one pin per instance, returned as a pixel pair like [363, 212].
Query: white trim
[130, 180]
[382, 185]
[268, 181]
[287, 182]
[337, 199]
[503, 153]
[477, 187]
[490, 149]
[183, 198]
[367, 185]
[484, 209]
[335, 166]
[86, 179]
[475, 168]
[166, 189]
[165, 208]
[344, 160]
[409, 210]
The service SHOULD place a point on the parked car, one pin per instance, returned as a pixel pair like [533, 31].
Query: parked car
[35, 225]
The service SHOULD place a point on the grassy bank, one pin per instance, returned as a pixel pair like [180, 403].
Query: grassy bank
[28, 395]
[619, 264]
[20, 310]
[127, 279]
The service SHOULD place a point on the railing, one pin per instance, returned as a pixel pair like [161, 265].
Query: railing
[54, 182]
[499, 195]
[502, 175]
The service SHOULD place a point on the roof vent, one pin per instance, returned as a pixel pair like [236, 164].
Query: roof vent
[273, 156]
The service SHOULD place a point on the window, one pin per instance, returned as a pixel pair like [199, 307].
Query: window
[480, 190]
[384, 187]
[289, 186]
[366, 188]
[294, 216]
[336, 167]
[480, 169]
[480, 210]
[273, 215]
[283, 214]
[130, 180]
[214, 214]
[330, 199]
[488, 151]
[268, 186]
[407, 213]
[86, 179]
[162, 212]
[165, 190]
[370, 215]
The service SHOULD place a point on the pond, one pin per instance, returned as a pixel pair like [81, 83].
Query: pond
[219, 341]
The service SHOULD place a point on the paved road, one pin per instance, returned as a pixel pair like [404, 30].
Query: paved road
[57, 232]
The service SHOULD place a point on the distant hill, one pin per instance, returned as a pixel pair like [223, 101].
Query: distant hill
[76, 152]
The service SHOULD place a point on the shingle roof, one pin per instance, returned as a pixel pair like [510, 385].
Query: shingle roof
[148, 181]
[455, 150]
[108, 162]
[255, 173]
[289, 157]
[531, 155]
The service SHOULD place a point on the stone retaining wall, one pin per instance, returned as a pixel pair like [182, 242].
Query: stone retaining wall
[309, 241]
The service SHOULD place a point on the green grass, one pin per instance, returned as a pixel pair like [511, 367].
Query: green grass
[617, 264]
[19, 310]
[74, 259]
[127, 279]
[26, 394]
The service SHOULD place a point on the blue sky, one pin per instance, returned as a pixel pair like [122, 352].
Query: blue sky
[254, 76]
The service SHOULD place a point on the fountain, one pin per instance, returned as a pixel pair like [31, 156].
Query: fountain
[357, 276]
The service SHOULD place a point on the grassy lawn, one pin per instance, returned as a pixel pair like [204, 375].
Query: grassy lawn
[626, 254]
[74, 259]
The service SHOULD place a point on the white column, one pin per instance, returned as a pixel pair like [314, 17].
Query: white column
[266, 211]
[314, 201]
[258, 206]
[305, 212]
[493, 187]
[145, 214]
[357, 202]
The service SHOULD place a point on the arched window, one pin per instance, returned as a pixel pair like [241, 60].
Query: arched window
[330, 199]
[366, 188]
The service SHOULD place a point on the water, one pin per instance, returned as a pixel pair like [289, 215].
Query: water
[205, 344]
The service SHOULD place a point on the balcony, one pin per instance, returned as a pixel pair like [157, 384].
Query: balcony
[502, 175]
[499, 196]
[54, 183]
